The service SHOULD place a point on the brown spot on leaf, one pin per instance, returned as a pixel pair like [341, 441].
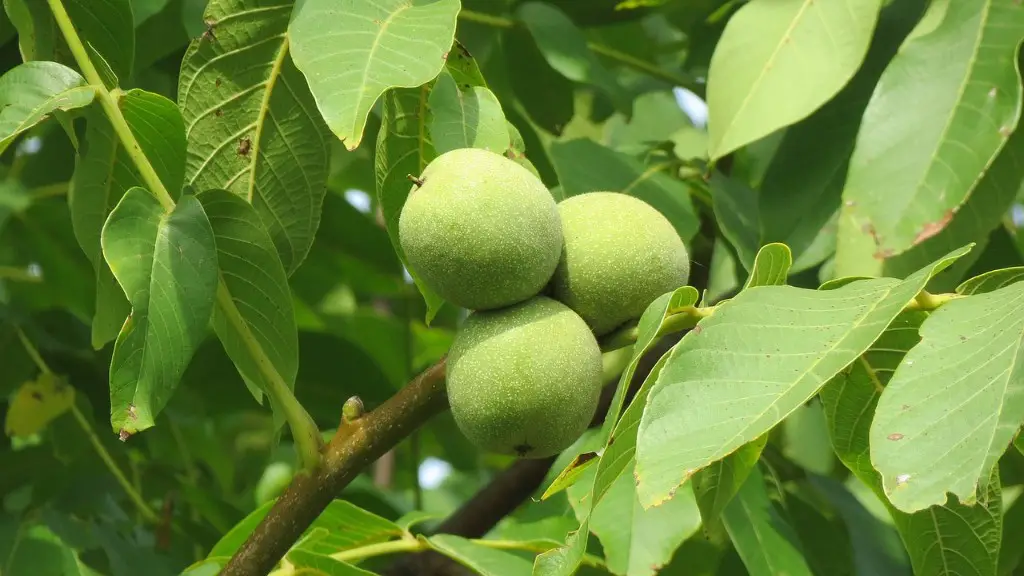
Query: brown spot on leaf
[217, 82]
[697, 330]
[882, 254]
[123, 435]
[1005, 131]
[932, 228]
[523, 449]
[444, 56]
[244, 146]
[219, 112]
[37, 396]
[895, 436]
[208, 34]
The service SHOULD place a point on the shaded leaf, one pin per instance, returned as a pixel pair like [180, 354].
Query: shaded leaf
[915, 164]
[565, 48]
[351, 53]
[257, 287]
[585, 166]
[167, 265]
[252, 126]
[105, 27]
[951, 538]
[466, 118]
[31, 92]
[735, 206]
[104, 171]
[546, 95]
[719, 391]
[932, 435]
[762, 536]
[36, 403]
[777, 62]
[403, 148]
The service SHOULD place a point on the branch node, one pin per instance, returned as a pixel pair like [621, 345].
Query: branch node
[417, 181]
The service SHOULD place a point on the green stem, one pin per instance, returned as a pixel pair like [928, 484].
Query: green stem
[419, 545]
[307, 436]
[305, 433]
[109, 105]
[927, 301]
[101, 450]
[18, 274]
[606, 51]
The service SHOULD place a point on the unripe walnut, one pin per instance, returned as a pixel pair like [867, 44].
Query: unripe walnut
[481, 230]
[524, 380]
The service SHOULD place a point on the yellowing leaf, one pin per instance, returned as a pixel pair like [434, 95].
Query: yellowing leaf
[37, 403]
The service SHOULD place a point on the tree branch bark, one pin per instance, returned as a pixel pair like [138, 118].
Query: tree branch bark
[354, 446]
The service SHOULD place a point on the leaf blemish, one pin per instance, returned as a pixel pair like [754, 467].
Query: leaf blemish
[895, 436]
[932, 228]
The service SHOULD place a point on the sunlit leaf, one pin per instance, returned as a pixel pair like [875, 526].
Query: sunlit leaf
[351, 52]
[951, 538]
[468, 117]
[104, 171]
[934, 125]
[753, 362]
[991, 281]
[954, 404]
[252, 126]
[777, 62]
[31, 92]
[166, 262]
[36, 403]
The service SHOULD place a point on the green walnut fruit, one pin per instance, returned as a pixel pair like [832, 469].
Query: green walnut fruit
[620, 254]
[524, 380]
[481, 230]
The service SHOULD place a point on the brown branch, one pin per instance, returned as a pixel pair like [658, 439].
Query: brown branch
[355, 445]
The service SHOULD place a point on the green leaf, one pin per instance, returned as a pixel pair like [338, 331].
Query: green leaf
[321, 564]
[715, 486]
[252, 126]
[546, 95]
[948, 539]
[771, 266]
[777, 62]
[481, 559]
[351, 53]
[143, 10]
[974, 221]
[31, 92]
[620, 445]
[106, 29]
[802, 187]
[908, 176]
[762, 536]
[794, 340]
[636, 541]
[103, 172]
[258, 288]
[991, 281]
[585, 166]
[935, 435]
[469, 117]
[565, 48]
[167, 265]
[341, 526]
[735, 206]
[656, 118]
[403, 148]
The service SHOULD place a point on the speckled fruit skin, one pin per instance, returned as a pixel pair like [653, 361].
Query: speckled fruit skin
[482, 231]
[524, 380]
[620, 254]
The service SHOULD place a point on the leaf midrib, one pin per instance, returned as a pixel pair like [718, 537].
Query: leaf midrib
[768, 65]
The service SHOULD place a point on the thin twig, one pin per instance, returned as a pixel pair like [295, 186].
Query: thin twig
[101, 450]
